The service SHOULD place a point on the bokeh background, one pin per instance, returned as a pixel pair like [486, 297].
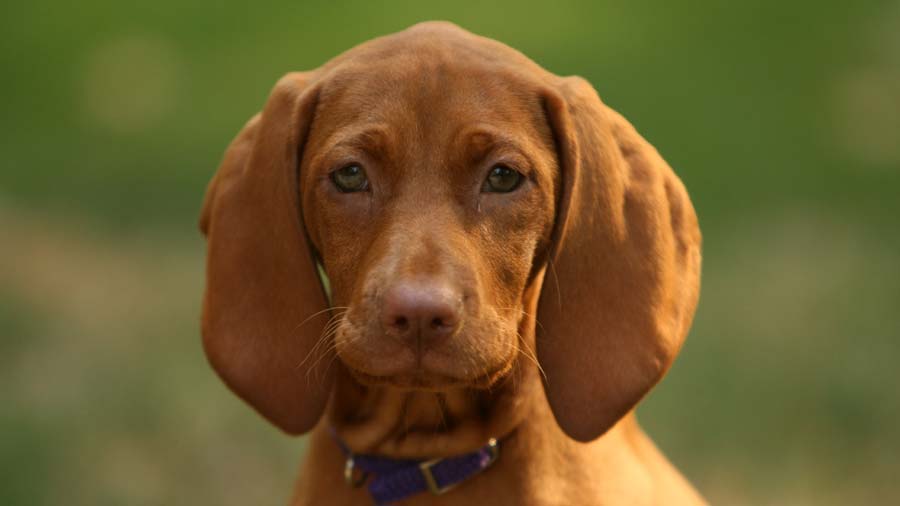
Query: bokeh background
[783, 119]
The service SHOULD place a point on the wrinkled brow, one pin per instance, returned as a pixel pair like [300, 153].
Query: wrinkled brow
[483, 141]
[376, 141]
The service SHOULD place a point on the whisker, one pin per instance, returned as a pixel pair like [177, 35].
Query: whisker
[324, 353]
[530, 354]
[332, 345]
[317, 313]
[327, 337]
[330, 327]
[556, 282]
[526, 313]
[338, 314]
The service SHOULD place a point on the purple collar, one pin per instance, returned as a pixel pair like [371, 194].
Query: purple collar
[396, 479]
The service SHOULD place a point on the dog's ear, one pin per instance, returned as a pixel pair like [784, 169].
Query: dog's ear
[264, 309]
[624, 270]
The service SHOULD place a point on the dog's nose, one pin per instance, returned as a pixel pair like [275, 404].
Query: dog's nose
[422, 311]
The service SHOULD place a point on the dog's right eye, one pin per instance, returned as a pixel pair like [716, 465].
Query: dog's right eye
[350, 178]
[502, 179]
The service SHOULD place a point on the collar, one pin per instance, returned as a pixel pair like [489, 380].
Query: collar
[392, 480]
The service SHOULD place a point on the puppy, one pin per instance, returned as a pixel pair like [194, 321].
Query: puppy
[511, 268]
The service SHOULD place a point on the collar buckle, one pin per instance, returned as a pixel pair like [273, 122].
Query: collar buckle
[494, 450]
[351, 477]
[433, 487]
[425, 468]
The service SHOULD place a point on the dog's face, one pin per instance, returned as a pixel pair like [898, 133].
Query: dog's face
[428, 198]
[438, 176]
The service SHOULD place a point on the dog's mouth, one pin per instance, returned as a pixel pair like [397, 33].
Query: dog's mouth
[415, 380]
[422, 379]
[476, 357]
[434, 371]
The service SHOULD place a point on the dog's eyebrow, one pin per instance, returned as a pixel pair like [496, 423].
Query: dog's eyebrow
[374, 140]
[481, 142]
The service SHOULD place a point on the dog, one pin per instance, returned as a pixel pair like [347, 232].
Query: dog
[458, 271]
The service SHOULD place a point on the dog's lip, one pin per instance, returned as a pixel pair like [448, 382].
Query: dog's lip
[421, 378]
[404, 370]
[413, 374]
[381, 362]
[418, 379]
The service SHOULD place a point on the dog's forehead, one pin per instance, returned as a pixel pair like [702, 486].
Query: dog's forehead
[414, 84]
[432, 74]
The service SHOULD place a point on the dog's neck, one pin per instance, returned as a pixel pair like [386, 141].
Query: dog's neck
[538, 464]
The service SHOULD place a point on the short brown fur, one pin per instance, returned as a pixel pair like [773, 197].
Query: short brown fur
[575, 291]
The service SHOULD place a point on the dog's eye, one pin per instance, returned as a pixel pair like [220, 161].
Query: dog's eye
[502, 179]
[349, 179]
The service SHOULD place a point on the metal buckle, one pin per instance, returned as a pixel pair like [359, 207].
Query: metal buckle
[425, 468]
[349, 468]
[494, 449]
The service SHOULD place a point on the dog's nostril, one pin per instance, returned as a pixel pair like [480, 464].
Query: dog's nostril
[401, 322]
[437, 323]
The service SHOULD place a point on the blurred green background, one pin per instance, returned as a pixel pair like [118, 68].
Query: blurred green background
[783, 119]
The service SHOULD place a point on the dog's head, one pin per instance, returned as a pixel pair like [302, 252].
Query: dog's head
[438, 178]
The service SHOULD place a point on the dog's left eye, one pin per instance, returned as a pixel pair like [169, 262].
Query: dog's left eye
[502, 179]
[351, 178]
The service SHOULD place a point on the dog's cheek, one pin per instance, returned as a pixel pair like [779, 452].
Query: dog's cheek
[345, 237]
[510, 250]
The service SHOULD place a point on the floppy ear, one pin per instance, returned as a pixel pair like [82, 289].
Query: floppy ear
[264, 307]
[624, 272]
